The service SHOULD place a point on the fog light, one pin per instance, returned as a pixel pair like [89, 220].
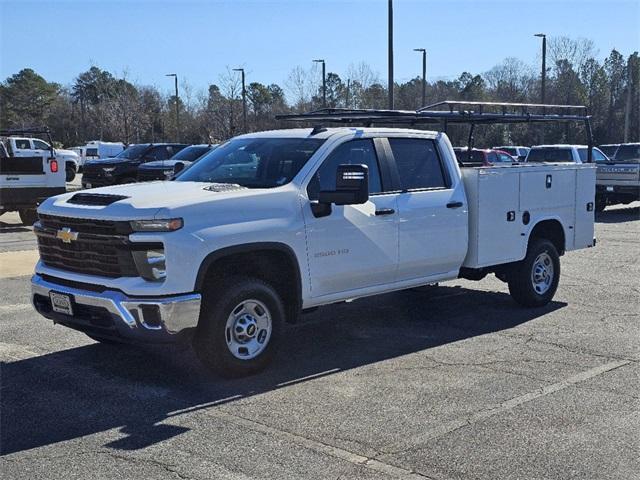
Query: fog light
[151, 264]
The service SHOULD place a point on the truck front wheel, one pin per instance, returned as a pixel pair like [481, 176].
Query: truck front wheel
[601, 203]
[533, 281]
[239, 328]
[28, 216]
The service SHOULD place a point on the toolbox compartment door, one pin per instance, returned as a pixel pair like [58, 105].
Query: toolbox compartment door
[584, 214]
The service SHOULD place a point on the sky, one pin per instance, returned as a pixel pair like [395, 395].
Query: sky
[200, 39]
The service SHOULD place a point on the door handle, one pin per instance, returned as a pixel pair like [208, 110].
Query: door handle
[385, 211]
[454, 204]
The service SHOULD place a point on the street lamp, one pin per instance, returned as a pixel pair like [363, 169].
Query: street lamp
[175, 77]
[324, 83]
[244, 99]
[390, 52]
[424, 74]
[544, 64]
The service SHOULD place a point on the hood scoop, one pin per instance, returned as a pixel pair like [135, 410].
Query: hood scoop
[99, 199]
[224, 187]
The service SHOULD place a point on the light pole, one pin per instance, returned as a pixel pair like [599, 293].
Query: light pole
[424, 74]
[324, 82]
[544, 65]
[244, 99]
[175, 77]
[390, 52]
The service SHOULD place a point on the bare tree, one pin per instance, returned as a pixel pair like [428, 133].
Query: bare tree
[575, 51]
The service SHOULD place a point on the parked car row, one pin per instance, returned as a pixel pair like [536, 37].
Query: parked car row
[618, 174]
[141, 162]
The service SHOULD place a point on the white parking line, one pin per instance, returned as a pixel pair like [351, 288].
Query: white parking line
[417, 440]
[378, 464]
[341, 453]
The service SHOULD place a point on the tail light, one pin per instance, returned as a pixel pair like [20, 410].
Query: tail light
[53, 165]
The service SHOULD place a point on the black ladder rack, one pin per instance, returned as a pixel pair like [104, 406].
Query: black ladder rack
[453, 111]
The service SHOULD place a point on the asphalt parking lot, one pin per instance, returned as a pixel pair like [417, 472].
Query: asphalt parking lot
[448, 382]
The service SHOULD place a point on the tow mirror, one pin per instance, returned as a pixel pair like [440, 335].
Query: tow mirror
[352, 186]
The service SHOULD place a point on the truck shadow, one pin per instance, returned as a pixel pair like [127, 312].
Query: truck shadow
[618, 215]
[94, 388]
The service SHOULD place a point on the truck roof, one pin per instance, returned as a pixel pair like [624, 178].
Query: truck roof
[560, 145]
[328, 132]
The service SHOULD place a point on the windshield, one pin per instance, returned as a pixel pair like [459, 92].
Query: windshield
[253, 162]
[510, 150]
[609, 150]
[550, 155]
[190, 154]
[628, 153]
[133, 152]
[596, 155]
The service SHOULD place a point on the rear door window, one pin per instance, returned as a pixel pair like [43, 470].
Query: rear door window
[418, 163]
[23, 144]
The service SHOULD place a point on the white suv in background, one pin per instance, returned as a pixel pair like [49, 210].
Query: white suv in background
[563, 153]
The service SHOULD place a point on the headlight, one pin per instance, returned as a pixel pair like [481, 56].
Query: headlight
[168, 225]
[168, 173]
[108, 169]
[151, 264]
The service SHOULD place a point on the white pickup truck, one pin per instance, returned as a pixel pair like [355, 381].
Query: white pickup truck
[26, 180]
[270, 224]
[35, 147]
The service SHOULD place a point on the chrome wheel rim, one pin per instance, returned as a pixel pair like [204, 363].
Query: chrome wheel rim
[248, 329]
[542, 273]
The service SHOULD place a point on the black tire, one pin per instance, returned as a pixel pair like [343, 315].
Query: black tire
[601, 204]
[212, 335]
[70, 173]
[521, 277]
[28, 216]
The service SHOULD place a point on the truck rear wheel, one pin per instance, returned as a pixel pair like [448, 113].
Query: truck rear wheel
[28, 216]
[70, 172]
[533, 281]
[239, 328]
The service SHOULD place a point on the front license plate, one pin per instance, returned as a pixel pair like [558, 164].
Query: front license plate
[61, 303]
[609, 189]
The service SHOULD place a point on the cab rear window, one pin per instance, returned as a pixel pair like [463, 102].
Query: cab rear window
[550, 155]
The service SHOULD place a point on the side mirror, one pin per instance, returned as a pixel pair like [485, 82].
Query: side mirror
[352, 186]
[177, 168]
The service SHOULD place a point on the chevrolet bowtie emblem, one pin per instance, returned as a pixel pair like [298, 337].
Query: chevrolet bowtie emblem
[66, 235]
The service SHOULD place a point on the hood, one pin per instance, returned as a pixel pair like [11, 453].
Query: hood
[101, 161]
[143, 200]
[67, 154]
[164, 164]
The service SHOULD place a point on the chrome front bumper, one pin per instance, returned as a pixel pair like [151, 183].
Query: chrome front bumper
[112, 314]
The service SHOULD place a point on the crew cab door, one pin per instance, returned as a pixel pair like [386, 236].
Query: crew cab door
[354, 246]
[432, 208]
